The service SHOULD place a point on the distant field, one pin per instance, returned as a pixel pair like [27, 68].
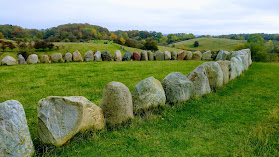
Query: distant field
[213, 44]
[240, 119]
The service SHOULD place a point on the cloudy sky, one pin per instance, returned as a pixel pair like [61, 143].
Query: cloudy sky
[212, 17]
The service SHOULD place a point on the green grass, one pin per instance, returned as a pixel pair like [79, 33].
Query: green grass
[240, 119]
[213, 44]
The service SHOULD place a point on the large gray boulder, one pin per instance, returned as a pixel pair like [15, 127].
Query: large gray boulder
[236, 68]
[127, 56]
[214, 75]
[199, 78]
[206, 55]
[56, 58]
[68, 57]
[77, 56]
[243, 56]
[150, 56]
[106, 56]
[248, 51]
[197, 55]
[117, 103]
[21, 59]
[8, 60]
[45, 59]
[222, 55]
[117, 56]
[188, 55]
[144, 56]
[173, 55]
[167, 55]
[89, 56]
[14, 132]
[148, 93]
[33, 59]
[98, 56]
[159, 56]
[60, 118]
[178, 88]
[225, 67]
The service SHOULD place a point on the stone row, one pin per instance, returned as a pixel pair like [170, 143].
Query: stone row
[60, 118]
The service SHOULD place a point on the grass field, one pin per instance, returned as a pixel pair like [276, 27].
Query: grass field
[240, 119]
[213, 44]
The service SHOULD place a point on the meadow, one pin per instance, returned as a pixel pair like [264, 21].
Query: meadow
[241, 119]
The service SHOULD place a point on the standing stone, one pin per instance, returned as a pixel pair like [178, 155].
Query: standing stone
[60, 118]
[148, 93]
[181, 55]
[206, 55]
[127, 56]
[45, 59]
[248, 51]
[136, 56]
[197, 55]
[8, 60]
[14, 132]
[188, 55]
[167, 55]
[89, 56]
[159, 56]
[173, 55]
[178, 88]
[214, 75]
[225, 67]
[33, 59]
[68, 57]
[243, 56]
[236, 68]
[117, 56]
[77, 56]
[150, 55]
[144, 56]
[57, 58]
[222, 55]
[199, 78]
[98, 56]
[117, 103]
[21, 59]
[106, 56]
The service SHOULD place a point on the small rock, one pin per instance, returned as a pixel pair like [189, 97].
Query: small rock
[117, 56]
[206, 55]
[77, 56]
[144, 56]
[106, 56]
[45, 59]
[98, 56]
[89, 56]
[127, 56]
[8, 60]
[167, 55]
[33, 59]
[21, 59]
[197, 55]
[173, 55]
[68, 57]
[57, 58]
[136, 56]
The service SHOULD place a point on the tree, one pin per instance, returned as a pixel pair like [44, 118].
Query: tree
[112, 37]
[3, 45]
[1, 35]
[122, 41]
[196, 44]
[257, 46]
[151, 45]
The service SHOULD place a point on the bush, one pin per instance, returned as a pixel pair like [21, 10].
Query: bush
[257, 46]
[151, 45]
[239, 47]
[273, 57]
[196, 44]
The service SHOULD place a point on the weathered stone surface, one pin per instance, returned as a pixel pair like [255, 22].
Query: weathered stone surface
[178, 88]
[8, 60]
[167, 55]
[199, 78]
[214, 74]
[181, 55]
[68, 57]
[188, 55]
[136, 56]
[206, 55]
[77, 56]
[197, 55]
[148, 93]
[222, 55]
[173, 55]
[21, 59]
[117, 56]
[159, 56]
[89, 56]
[249, 56]
[33, 59]
[57, 58]
[117, 103]
[14, 132]
[150, 55]
[236, 68]
[106, 56]
[45, 59]
[127, 56]
[98, 56]
[60, 118]
[243, 56]
[225, 67]
[144, 56]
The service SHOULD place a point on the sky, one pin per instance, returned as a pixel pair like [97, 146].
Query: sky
[200, 17]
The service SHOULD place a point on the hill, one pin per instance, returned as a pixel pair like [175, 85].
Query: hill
[213, 44]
